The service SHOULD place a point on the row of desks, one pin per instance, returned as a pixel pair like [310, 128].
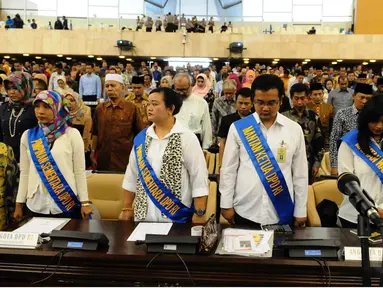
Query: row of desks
[124, 263]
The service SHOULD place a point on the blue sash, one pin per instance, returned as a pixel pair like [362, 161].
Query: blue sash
[267, 167]
[375, 162]
[161, 196]
[50, 173]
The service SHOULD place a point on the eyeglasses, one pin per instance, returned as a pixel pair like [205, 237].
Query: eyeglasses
[182, 91]
[271, 103]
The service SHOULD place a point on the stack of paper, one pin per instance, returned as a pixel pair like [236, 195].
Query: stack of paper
[143, 229]
[246, 242]
[43, 225]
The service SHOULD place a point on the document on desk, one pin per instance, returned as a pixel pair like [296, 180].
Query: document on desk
[246, 242]
[149, 228]
[43, 225]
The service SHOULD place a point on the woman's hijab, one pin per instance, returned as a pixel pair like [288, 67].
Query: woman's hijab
[202, 91]
[60, 107]
[79, 112]
[66, 88]
[22, 82]
[168, 79]
[247, 83]
[41, 76]
[234, 77]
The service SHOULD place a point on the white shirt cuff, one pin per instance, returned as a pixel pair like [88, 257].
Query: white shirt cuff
[200, 192]
[227, 202]
[300, 212]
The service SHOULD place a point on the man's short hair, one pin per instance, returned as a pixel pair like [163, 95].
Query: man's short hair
[244, 92]
[266, 82]
[90, 64]
[297, 88]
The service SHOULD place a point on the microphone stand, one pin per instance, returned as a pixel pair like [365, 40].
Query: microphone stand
[363, 234]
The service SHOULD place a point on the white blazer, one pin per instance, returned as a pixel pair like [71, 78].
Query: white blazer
[68, 153]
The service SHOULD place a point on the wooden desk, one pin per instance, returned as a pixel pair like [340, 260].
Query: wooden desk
[124, 263]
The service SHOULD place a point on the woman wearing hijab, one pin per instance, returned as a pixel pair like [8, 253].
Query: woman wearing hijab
[52, 164]
[250, 77]
[235, 77]
[80, 120]
[177, 168]
[41, 76]
[17, 115]
[203, 89]
[202, 86]
[166, 81]
[62, 86]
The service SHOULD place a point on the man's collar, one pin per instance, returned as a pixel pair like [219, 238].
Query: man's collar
[354, 110]
[119, 103]
[295, 112]
[144, 96]
[280, 118]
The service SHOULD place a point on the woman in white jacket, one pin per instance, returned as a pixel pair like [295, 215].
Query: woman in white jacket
[52, 164]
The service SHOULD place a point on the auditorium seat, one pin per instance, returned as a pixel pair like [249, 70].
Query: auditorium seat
[325, 168]
[317, 192]
[211, 200]
[106, 193]
[211, 164]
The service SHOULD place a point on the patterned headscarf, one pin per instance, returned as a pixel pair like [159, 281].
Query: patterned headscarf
[60, 107]
[79, 112]
[23, 82]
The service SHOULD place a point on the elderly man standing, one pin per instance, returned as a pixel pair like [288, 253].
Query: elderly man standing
[194, 113]
[139, 98]
[223, 105]
[115, 124]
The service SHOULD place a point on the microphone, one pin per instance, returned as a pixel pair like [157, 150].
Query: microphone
[349, 185]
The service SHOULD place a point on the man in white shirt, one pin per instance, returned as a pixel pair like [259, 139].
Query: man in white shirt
[194, 113]
[244, 199]
[54, 77]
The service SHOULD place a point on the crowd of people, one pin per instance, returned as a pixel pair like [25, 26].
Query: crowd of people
[172, 23]
[272, 125]
[18, 23]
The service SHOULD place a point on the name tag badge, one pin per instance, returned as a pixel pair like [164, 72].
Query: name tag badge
[281, 157]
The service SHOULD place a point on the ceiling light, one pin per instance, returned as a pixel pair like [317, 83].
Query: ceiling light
[90, 56]
[38, 57]
[99, 59]
[307, 60]
[246, 59]
[59, 55]
[215, 59]
[121, 56]
[372, 61]
[275, 62]
[152, 58]
[334, 63]
[246, 62]
[25, 55]
[7, 57]
[340, 60]
[304, 62]
[365, 63]
[129, 59]
[68, 58]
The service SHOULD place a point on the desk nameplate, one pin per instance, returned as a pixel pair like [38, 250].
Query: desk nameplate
[355, 253]
[23, 240]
